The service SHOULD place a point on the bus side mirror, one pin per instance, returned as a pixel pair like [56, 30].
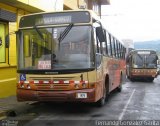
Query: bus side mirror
[7, 41]
[0, 41]
[100, 34]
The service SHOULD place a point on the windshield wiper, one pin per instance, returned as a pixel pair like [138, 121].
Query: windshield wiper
[140, 56]
[65, 32]
[39, 32]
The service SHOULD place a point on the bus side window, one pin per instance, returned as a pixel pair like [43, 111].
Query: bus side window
[118, 49]
[121, 51]
[124, 51]
[98, 46]
[104, 45]
[114, 47]
[98, 43]
[111, 46]
[116, 44]
[108, 45]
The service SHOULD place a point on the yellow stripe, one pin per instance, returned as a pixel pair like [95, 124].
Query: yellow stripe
[5, 80]
[8, 87]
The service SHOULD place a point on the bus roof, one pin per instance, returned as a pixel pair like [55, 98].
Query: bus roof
[65, 11]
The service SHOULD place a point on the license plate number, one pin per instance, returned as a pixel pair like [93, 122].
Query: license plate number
[81, 95]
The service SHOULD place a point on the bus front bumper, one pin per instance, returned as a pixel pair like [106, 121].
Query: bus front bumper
[143, 76]
[85, 95]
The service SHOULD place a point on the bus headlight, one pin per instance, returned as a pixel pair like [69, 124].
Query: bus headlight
[28, 86]
[22, 85]
[84, 85]
[76, 86]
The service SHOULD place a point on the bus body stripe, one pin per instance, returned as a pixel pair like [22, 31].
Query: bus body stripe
[53, 82]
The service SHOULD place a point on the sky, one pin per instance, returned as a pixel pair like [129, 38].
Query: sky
[138, 20]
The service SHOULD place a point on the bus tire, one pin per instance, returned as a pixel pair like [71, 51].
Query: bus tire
[101, 102]
[151, 79]
[119, 88]
[132, 79]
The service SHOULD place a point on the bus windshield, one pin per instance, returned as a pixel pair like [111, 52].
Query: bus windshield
[41, 48]
[151, 61]
[138, 61]
[145, 61]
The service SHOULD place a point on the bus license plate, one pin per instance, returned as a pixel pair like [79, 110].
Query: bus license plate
[81, 95]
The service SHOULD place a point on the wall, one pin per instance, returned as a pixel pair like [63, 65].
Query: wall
[45, 5]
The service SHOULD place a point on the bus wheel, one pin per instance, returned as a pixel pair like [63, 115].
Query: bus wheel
[132, 79]
[119, 88]
[101, 102]
[151, 79]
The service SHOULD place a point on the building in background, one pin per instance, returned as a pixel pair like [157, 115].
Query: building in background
[129, 44]
[94, 5]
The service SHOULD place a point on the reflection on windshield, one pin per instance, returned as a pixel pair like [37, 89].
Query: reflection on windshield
[39, 32]
[145, 61]
[151, 61]
[65, 32]
[138, 61]
[72, 52]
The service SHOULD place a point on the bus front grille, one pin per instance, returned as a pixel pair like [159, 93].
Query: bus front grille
[48, 96]
[53, 87]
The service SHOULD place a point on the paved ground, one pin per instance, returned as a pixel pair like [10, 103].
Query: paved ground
[10, 107]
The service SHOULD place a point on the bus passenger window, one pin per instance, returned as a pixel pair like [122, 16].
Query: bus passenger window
[98, 47]
[108, 45]
[104, 48]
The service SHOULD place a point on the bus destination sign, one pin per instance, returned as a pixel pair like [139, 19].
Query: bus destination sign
[55, 18]
[144, 52]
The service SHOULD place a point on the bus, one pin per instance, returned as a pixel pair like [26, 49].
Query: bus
[67, 56]
[142, 64]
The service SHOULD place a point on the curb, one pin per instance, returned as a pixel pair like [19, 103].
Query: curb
[15, 111]
[3, 114]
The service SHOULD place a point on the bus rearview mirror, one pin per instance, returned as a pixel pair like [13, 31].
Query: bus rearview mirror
[100, 34]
